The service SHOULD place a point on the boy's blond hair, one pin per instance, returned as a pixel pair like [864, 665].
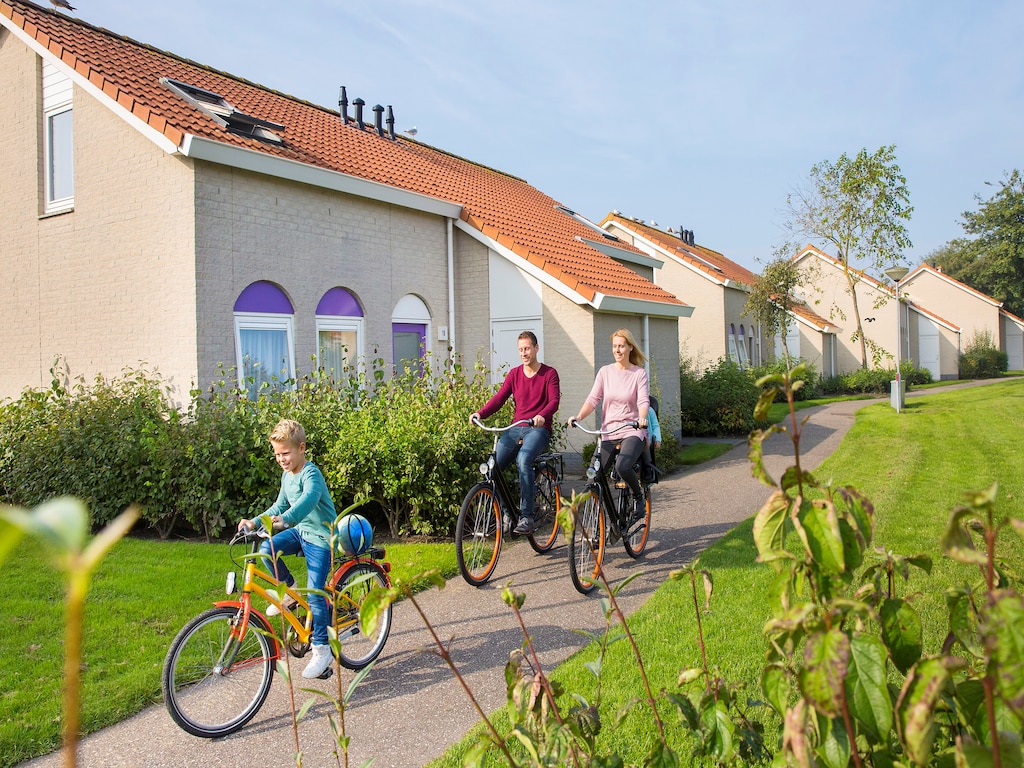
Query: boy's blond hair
[288, 431]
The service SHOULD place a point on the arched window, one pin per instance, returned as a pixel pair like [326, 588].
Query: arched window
[264, 337]
[734, 355]
[410, 332]
[339, 333]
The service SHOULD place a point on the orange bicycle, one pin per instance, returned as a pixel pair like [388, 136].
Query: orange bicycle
[219, 668]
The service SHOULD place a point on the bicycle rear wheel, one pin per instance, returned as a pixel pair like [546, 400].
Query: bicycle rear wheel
[478, 534]
[213, 683]
[547, 500]
[586, 545]
[634, 533]
[359, 648]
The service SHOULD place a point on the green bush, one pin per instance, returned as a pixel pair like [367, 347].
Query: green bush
[718, 402]
[403, 444]
[108, 443]
[981, 358]
[811, 388]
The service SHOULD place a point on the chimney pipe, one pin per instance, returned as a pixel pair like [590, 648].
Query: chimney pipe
[391, 123]
[359, 104]
[682, 233]
[378, 119]
[343, 105]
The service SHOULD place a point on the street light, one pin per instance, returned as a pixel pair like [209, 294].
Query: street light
[896, 274]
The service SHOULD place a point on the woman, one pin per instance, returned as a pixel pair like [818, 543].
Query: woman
[622, 389]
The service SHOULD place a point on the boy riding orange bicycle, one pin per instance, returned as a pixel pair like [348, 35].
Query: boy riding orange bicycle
[303, 514]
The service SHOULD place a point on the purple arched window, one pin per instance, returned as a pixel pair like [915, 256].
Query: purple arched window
[263, 337]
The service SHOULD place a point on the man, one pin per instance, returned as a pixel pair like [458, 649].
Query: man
[535, 390]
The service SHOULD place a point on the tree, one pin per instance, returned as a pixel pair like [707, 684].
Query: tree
[859, 206]
[993, 260]
[771, 297]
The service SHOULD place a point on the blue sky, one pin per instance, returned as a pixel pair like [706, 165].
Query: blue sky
[696, 115]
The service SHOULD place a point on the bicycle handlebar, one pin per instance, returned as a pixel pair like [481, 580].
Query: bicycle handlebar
[484, 427]
[628, 425]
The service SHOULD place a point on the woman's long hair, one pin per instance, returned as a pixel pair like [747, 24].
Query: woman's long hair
[636, 357]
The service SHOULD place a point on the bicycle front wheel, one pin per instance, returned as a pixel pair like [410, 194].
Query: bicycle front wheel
[586, 545]
[478, 534]
[634, 533]
[359, 648]
[213, 682]
[546, 502]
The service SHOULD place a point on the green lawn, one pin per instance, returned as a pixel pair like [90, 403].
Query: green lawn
[915, 466]
[142, 594]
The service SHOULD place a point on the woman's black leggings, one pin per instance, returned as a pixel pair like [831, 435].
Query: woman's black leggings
[629, 454]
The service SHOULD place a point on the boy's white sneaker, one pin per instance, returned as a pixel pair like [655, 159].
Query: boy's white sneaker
[322, 658]
[289, 602]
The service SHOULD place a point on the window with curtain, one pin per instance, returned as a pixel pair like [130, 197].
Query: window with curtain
[339, 333]
[734, 355]
[264, 338]
[741, 346]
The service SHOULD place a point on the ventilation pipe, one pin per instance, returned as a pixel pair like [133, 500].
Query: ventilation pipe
[359, 104]
[343, 105]
[391, 123]
[378, 119]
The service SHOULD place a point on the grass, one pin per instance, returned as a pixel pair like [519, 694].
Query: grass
[142, 594]
[915, 466]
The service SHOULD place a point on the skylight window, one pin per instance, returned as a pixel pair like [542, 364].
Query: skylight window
[234, 120]
[586, 222]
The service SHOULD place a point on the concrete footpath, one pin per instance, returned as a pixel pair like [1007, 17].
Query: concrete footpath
[409, 709]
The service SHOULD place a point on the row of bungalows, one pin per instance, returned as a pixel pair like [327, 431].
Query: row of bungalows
[160, 212]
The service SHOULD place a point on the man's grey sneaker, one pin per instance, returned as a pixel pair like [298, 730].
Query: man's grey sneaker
[525, 526]
[318, 664]
[506, 523]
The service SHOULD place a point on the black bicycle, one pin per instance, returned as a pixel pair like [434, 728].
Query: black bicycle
[490, 511]
[603, 519]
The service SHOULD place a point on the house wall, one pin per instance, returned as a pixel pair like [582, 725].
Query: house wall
[972, 313]
[308, 240]
[109, 283]
[472, 290]
[702, 336]
[825, 290]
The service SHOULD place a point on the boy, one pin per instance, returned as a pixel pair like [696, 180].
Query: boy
[304, 514]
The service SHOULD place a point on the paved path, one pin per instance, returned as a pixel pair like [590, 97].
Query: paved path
[410, 709]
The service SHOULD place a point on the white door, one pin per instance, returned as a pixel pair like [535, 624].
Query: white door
[928, 346]
[505, 343]
[1014, 347]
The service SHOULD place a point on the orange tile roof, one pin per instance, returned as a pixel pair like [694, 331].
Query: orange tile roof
[697, 256]
[503, 207]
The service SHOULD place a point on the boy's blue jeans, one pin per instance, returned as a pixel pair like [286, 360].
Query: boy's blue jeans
[318, 567]
[535, 442]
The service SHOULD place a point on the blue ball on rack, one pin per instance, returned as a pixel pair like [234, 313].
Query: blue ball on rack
[355, 534]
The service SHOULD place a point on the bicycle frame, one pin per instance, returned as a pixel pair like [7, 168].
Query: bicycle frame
[252, 575]
[599, 480]
[489, 469]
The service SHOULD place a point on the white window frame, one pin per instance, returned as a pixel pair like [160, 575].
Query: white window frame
[57, 100]
[341, 323]
[263, 321]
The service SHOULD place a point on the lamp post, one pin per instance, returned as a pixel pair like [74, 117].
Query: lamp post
[896, 274]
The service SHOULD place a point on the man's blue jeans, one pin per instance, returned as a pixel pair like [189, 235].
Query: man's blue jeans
[318, 567]
[535, 442]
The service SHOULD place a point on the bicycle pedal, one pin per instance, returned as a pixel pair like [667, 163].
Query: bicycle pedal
[326, 673]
